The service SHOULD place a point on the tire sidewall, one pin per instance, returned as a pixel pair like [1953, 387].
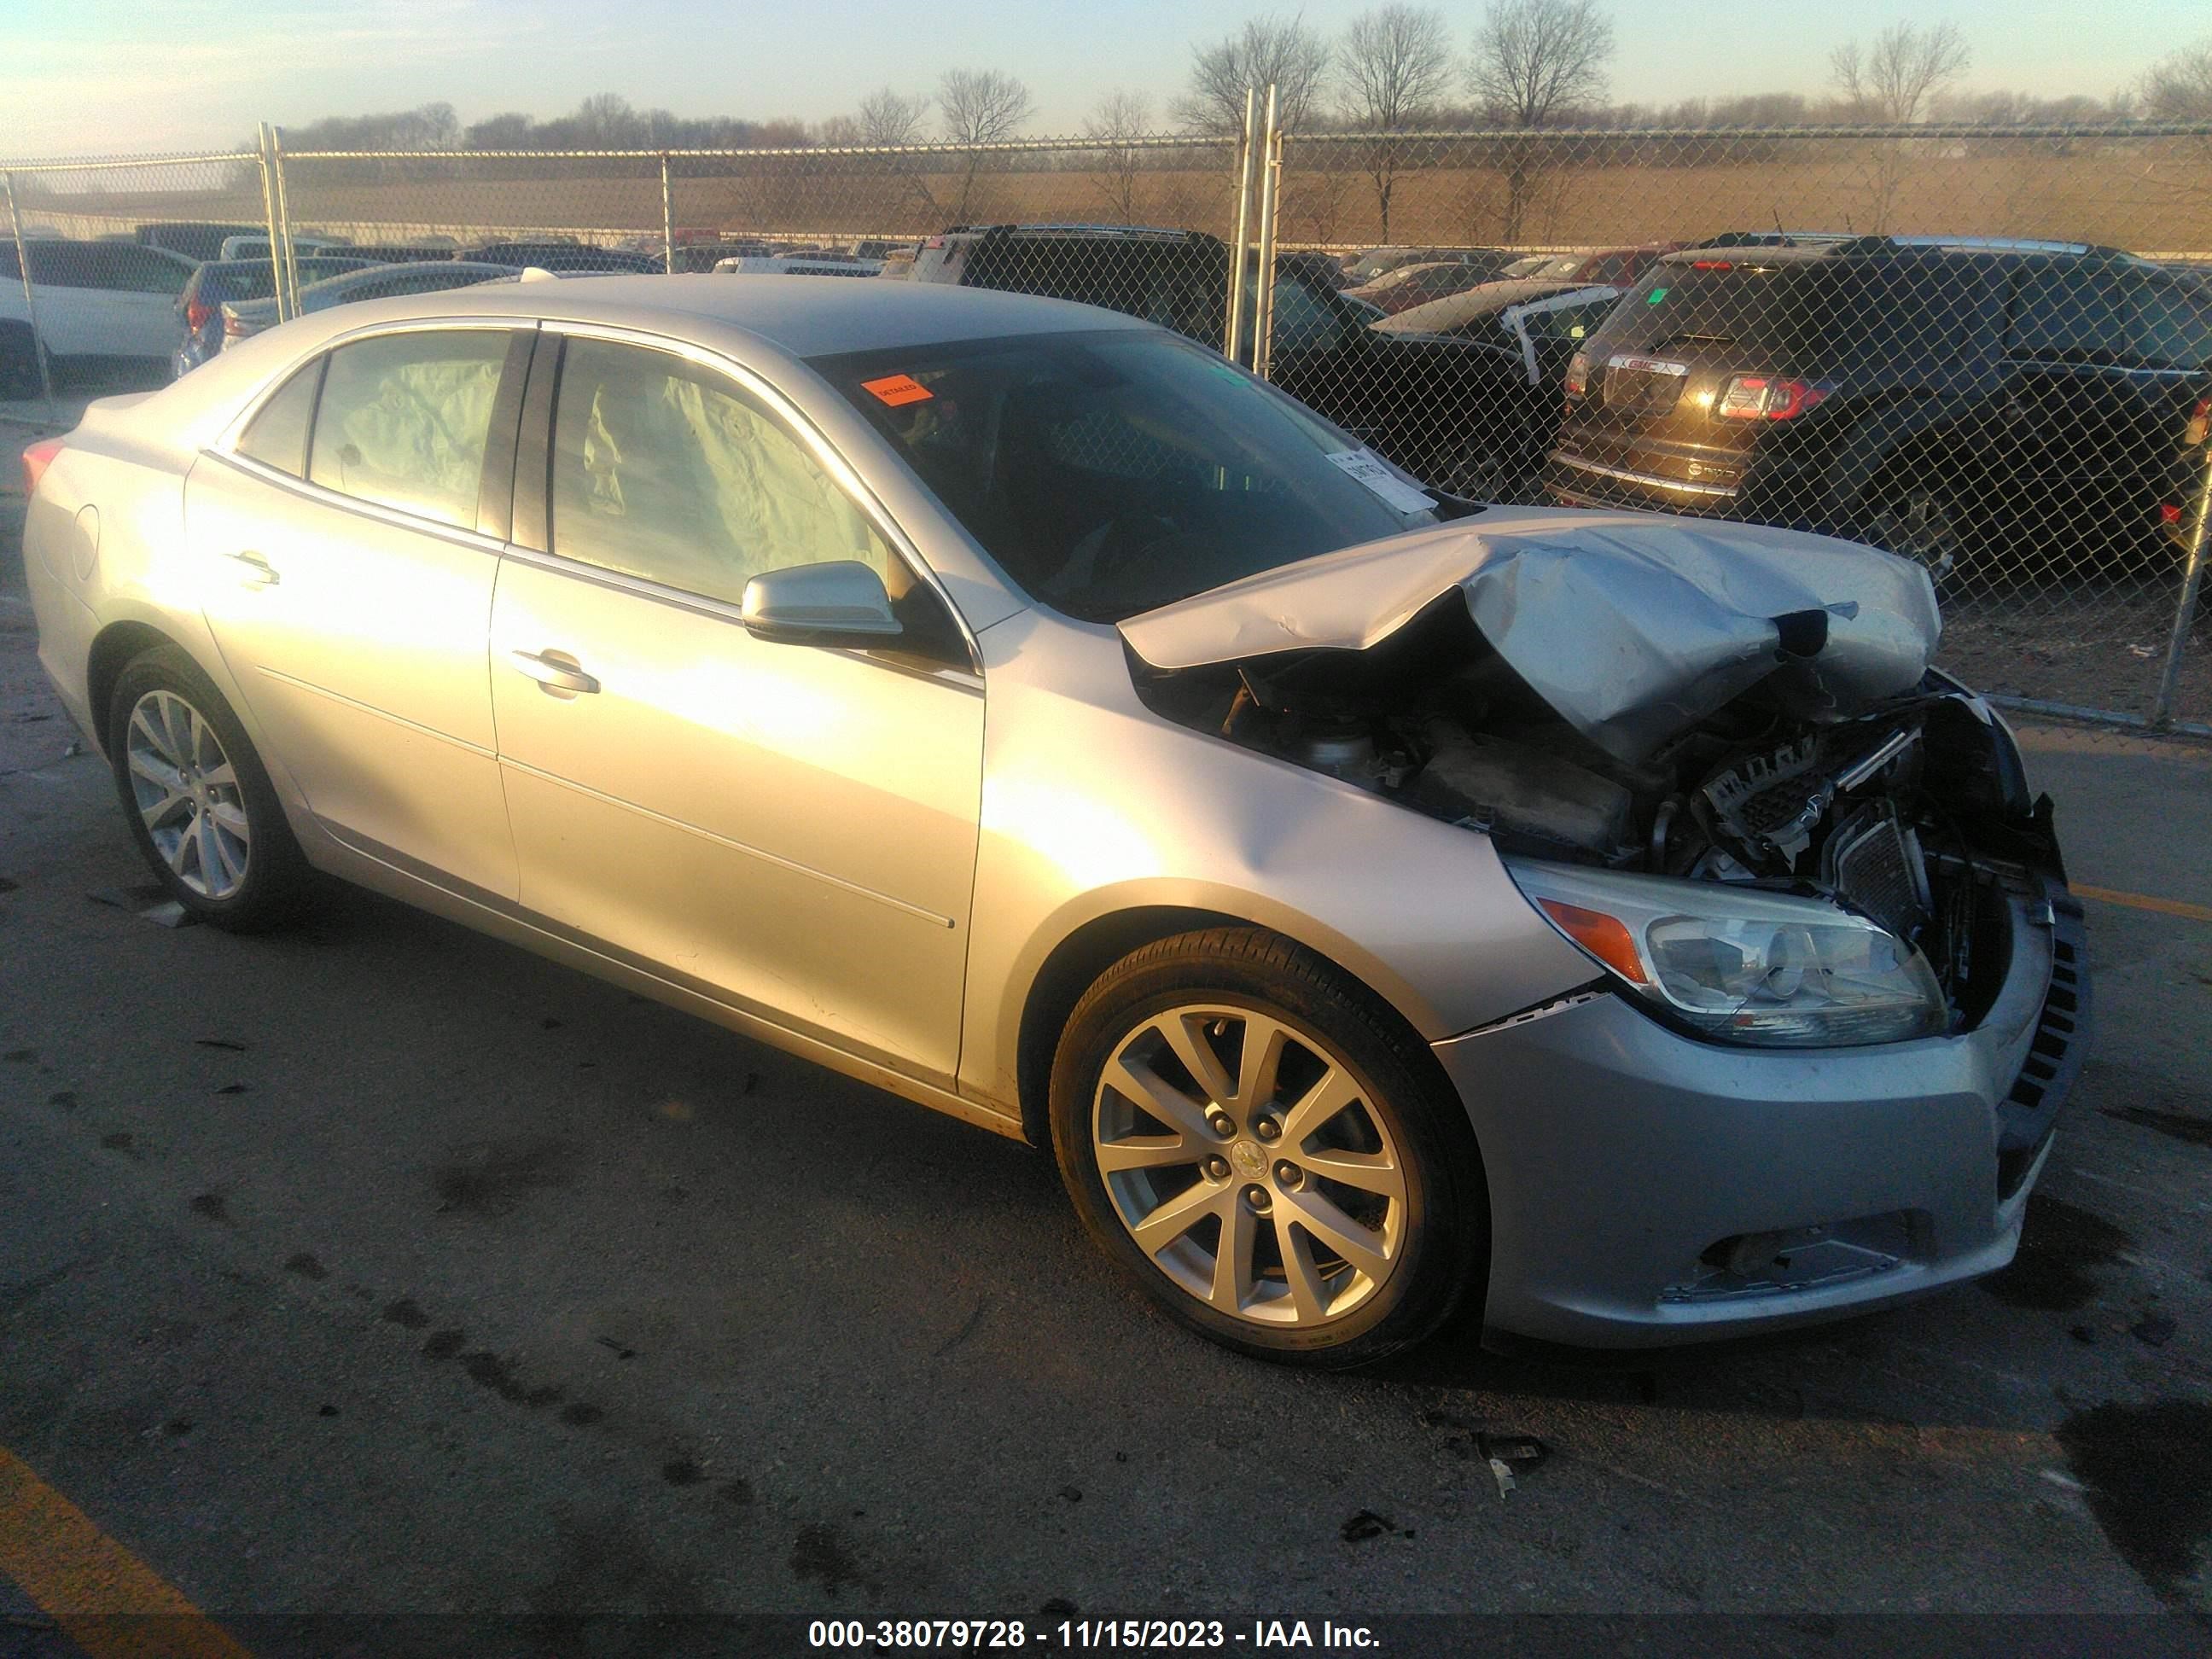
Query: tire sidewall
[1446, 1228]
[275, 869]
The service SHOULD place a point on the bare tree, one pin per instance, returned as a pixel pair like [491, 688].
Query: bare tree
[1282, 52]
[1892, 81]
[2180, 87]
[1536, 61]
[1392, 69]
[978, 107]
[1116, 119]
[889, 117]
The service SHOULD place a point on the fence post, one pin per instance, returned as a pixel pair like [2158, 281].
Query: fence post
[1263, 309]
[1230, 342]
[2184, 614]
[667, 218]
[30, 295]
[268, 216]
[284, 217]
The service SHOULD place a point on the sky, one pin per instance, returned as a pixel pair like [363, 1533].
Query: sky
[110, 77]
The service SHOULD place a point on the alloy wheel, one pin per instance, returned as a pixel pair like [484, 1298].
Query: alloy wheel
[1246, 1163]
[188, 794]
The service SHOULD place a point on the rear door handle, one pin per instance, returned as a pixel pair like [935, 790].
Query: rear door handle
[254, 570]
[556, 670]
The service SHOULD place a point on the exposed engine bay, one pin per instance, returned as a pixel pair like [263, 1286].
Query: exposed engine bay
[1906, 805]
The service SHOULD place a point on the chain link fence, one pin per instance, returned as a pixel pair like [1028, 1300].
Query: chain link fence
[1987, 349]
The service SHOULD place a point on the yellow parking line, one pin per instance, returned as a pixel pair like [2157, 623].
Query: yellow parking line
[2165, 907]
[102, 1597]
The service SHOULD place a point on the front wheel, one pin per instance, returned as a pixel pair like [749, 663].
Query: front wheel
[200, 805]
[1253, 1136]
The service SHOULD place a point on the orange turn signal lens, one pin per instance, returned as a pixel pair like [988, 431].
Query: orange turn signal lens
[1603, 936]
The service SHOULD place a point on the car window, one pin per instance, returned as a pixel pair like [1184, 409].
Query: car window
[1110, 472]
[2073, 312]
[404, 418]
[1303, 321]
[1565, 322]
[278, 435]
[665, 472]
[2168, 327]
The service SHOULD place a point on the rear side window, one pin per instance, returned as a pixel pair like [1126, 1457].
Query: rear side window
[404, 420]
[278, 435]
[2169, 327]
[2070, 313]
[1820, 314]
[662, 471]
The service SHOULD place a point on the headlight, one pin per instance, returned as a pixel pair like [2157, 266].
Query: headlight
[1740, 965]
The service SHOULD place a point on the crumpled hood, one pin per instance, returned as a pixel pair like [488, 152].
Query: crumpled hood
[1632, 626]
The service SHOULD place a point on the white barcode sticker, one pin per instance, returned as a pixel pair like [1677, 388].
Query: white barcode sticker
[1375, 472]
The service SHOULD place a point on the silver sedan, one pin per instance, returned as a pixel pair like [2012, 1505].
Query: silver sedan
[1386, 906]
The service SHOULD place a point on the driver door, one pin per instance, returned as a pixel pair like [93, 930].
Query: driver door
[787, 829]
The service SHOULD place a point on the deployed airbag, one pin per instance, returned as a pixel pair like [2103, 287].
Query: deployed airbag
[1632, 626]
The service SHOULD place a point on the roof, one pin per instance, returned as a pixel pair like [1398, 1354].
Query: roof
[801, 316]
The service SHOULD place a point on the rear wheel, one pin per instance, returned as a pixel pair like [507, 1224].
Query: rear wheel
[1922, 520]
[1248, 1133]
[19, 362]
[200, 805]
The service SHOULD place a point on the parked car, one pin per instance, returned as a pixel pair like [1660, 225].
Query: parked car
[1617, 265]
[1542, 324]
[1436, 406]
[102, 306]
[696, 257]
[256, 246]
[565, 256]
[195, 239]
[199, 306]
[1321, 888]
[244, 319]
[1418, 283]
[1944, 398]
[1376, 261]
[799, 264]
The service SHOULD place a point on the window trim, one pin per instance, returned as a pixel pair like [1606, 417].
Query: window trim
[536, 441]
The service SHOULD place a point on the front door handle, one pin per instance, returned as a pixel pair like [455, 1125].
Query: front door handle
[556, 670]
[254, 571]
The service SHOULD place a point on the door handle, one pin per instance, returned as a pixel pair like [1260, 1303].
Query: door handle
[556, 670]
[254, 570]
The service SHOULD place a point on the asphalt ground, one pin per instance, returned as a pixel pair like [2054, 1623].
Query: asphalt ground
[378, 1269]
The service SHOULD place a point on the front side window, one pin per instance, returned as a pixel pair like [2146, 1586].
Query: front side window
[404, 420]
[664, 471]
[1114, 472]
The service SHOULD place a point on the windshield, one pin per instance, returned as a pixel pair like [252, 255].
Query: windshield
[1111, 473]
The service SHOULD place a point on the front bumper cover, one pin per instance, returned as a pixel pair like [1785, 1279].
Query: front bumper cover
[1622, 1157]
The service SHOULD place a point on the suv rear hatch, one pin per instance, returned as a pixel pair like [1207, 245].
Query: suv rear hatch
[1688, 375]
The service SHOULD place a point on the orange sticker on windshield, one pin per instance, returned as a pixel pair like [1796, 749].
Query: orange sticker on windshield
[897, 389]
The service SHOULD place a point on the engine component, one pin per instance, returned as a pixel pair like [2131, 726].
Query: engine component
[1519, 790]
[1766, 807]
[1872, 863]
[1342, 745]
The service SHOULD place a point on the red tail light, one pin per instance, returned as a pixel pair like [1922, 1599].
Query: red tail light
[2200, 424]
[1578, 374]
[197, 312]
[36, 460]
[1766, 397]
[2169, 512]
[1712, 264]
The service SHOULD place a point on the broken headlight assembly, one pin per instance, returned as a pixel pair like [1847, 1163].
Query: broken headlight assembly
[1741, 966]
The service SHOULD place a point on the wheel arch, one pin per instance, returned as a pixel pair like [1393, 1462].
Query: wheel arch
[113, 649]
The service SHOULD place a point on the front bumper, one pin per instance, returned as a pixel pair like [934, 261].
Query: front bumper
[1647, 1189]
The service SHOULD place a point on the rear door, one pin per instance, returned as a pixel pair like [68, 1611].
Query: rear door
[2073, 415]
[349, 544]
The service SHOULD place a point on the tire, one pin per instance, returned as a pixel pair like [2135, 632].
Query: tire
[199, 802]
[1923, 521]
[19, 362]
[1420, 1208]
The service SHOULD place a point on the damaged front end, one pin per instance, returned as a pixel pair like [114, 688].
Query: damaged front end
[1715, 756]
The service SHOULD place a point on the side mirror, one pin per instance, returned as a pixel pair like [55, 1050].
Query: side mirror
[842, 603]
